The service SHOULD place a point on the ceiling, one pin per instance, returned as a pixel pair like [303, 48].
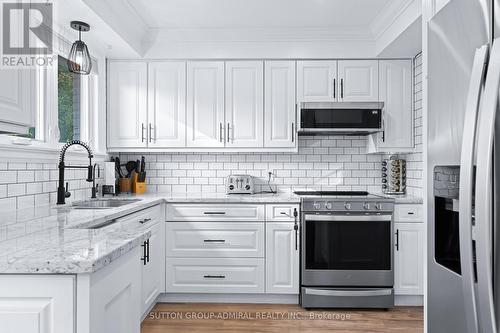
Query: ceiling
[234, 14]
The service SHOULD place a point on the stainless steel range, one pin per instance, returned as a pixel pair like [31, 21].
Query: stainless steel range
[347, 252]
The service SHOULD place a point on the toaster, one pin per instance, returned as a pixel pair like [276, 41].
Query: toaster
[240, 184]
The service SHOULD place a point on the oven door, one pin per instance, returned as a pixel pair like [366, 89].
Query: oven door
[347, 250]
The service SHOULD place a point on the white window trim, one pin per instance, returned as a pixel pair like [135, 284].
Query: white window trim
[46, 144]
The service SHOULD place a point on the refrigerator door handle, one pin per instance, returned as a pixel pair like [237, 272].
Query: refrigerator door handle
[483, 225]
[466, 179]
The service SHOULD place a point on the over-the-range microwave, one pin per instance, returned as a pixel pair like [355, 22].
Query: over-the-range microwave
[347, 118]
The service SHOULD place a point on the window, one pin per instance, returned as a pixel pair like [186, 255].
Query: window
[68, 102]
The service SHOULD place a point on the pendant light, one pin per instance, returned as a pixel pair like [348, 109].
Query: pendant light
[79, 61]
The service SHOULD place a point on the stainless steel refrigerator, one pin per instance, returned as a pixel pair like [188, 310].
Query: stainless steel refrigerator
[463, 168]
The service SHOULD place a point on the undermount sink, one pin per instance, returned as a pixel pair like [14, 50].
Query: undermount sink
[102, 203]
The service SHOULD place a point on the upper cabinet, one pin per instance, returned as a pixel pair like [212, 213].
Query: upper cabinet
[17, 109]
[127, 104]
[395, 81]
[358, 81]
[244, 103]
[337, 81]
[205, 104]
[167, 104]
[279, 104]
[317, 81]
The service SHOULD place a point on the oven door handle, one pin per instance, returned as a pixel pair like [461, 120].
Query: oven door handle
[348, 293]
[339, 218]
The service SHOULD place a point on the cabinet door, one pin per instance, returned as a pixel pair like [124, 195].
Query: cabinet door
[317, 81]
[16, 98]
[115, 296]
[153, 272]
[279, 104]
[408, 259]
[167, 104]
[282, 258]
[396, 93]
[358, 80]
[127, 104]
[205, 104]
[37, 303]
[244, 104]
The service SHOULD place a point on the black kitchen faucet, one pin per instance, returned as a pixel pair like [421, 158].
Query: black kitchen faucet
[63, 192]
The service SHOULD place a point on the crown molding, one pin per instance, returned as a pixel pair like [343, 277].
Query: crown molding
[389, 15]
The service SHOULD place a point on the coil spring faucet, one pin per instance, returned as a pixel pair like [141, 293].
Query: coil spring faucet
[63, 192]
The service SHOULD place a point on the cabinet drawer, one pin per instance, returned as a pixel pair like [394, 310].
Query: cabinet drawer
[149, 216]
[281, 213]
[228, 275]
[215, 239]
[408, 213]
[215, 212]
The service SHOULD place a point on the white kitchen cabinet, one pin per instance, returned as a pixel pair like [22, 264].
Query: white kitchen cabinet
[409, 258]
[358, 81]
[37, 303]
[282, 258]
[153, 270]
[396, 79]
[317, 81]
[215, 239]
[215, 275]
[205, 104]
[17, 100]
[244, 99]
[127, 104]
[115, 296]
[280, 127]
[167, 104]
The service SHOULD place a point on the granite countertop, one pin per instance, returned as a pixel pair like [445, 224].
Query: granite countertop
[47, 240]
[51, 240]
[403, 198]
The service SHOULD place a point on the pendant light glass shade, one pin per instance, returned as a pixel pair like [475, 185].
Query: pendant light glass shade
[79, 60]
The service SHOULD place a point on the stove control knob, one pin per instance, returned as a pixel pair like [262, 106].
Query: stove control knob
[378, 206]
[317, 205]
[347, 205]
[328, 205]
[366, 205]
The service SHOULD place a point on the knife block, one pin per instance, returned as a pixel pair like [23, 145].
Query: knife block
[138, 187]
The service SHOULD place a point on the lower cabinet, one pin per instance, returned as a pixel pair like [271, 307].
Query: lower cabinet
[37, 304]
[114, 297]
[153, 269]
[215, 275]
[409, 258]
[282, 258]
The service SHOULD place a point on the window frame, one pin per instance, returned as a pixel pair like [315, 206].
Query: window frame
[46, 103]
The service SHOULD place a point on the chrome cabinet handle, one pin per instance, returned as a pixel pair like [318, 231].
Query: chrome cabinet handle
[150, 132]
[142, 132]
[296, 228]
[466, 181]
[214, 213]
[334, 87]
[214, 241]
[220, 132]
[228, 129]
[293, 132]
[342, 88]
[397, 240]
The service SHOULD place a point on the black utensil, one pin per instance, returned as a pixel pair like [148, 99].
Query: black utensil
[143, 164]
[118, 167]
[130, 166]
[137, 166]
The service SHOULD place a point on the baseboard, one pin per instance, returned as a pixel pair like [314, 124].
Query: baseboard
[409, 300]
[229, 298]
